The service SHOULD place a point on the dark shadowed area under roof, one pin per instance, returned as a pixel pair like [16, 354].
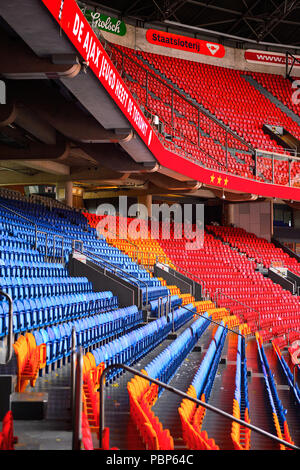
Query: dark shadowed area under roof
[265, 21]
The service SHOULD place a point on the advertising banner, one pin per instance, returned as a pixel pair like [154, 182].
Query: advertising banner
[184, 43]
[269, 58]
[104, 22]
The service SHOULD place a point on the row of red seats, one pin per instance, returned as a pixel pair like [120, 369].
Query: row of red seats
[7, 438]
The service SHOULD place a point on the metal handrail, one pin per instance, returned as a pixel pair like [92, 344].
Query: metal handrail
[177, 133]
[115, 268]
[183, 97]
[62, 246]
[77, 404]
[215, 322]
[202, 283]
[10, 336]
[73, 244]
[208, 406]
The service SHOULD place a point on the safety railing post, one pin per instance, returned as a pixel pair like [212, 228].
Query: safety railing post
[73, 369]
[77, 405]
[178, 392]
[173, 325]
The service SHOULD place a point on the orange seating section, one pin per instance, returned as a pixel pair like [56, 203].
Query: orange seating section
[245, 329]
[187, 299]
[282, 435]
[204, 305]
[240, 434]
[194, 438]
[218, 313]
[231, 321]
[142, 396]
[87, 440]
[91, 382]
[174, 290]
[30, 359]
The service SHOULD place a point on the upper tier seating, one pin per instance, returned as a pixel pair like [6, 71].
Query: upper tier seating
[243, 108]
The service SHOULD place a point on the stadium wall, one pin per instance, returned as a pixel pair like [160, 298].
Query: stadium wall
[254, 217]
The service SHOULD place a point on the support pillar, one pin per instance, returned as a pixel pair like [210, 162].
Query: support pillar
[147, 202]
[69, 193]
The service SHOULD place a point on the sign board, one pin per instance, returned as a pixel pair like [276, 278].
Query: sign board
[279, 269]
[104, 22]
[184, 43]
[163, 267]
[269, 58]
[79, 256]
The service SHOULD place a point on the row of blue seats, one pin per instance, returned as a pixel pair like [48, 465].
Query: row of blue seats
[129, 348]
[41, 270]
[34, 211]
[15, 256]
[19, 288]
[164, 366]
[289, 376]
[175, 301]
[241, 382]
[155, 292]
[214, 365]
[34, 313]
[89, 331]
[274, 399]
[45, 219]
[203, 375]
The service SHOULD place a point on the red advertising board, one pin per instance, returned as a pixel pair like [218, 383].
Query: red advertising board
[269, 58]
[184, 43]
